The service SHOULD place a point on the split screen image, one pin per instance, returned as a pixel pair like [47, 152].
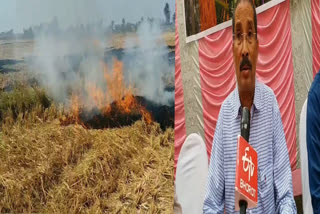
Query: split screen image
[166, 106]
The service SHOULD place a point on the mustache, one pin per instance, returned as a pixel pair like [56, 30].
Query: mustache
[245, 62]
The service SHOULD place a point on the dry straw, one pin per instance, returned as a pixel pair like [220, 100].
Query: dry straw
[50, 168]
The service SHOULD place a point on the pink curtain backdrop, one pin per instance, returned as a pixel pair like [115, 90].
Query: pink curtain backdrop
[179, 115]
[274, 68]
[315, 20]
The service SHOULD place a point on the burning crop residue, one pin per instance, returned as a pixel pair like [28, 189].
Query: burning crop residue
[115, 106]
[102, 86]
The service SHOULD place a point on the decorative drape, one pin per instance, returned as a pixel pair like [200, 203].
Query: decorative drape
[315, 20]
[179, 120]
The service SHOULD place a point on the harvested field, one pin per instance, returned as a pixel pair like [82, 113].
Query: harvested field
[50, 168]
[111, 153]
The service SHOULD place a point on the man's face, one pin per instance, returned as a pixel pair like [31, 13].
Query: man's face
[245, 47]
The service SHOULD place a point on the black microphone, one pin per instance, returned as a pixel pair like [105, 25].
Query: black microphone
[245, 123]
[245, 131]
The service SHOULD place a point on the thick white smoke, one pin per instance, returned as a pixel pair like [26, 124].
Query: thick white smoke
[67, 64]
[150, 64]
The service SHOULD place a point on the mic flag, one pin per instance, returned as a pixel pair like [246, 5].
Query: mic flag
[246, 184]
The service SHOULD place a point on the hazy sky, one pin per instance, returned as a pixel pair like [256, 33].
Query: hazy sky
[19, 14]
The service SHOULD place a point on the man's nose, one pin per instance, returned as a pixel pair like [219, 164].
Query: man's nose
[245, 51]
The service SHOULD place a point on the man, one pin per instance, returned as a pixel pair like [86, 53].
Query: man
[313, 142]
[267, 137]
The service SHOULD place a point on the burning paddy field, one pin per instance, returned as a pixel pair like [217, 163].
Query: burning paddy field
[87, 127]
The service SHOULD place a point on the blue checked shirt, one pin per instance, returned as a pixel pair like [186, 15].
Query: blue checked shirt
[267, 138]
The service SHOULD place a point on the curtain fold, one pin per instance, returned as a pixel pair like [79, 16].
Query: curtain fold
[179, 113]
[315, 20]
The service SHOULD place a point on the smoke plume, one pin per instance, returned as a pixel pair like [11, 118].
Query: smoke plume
[74, 62]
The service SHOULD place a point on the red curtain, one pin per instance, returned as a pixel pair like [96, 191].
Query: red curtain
[315, 20]
[179, 116]
[217, 77]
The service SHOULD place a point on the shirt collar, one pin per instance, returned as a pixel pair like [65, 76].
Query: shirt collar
[256, 100]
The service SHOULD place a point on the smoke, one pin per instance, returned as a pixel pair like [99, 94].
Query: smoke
[149, 65]
[70, 63]
[66, 65]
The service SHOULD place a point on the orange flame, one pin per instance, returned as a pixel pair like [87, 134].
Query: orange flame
[75, 107]
[115, 81]
[146, 115]
[127, 103]
[116, 91]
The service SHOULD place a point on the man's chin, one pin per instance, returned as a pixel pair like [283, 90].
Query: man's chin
[245, 73]
[246, 85]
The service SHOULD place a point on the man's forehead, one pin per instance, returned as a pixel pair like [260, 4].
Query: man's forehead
[244, 13]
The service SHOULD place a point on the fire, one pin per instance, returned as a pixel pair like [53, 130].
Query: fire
[75, 107]
[114, 80]
[127, 103]
[115, 97]
[100, 100]
[146, 115]
[75, 111]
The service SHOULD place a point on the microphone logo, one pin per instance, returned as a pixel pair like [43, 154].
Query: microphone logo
[247, 164]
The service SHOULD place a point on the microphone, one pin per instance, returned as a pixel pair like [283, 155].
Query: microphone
[246, 184]
[245, 132]
[245, 123]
